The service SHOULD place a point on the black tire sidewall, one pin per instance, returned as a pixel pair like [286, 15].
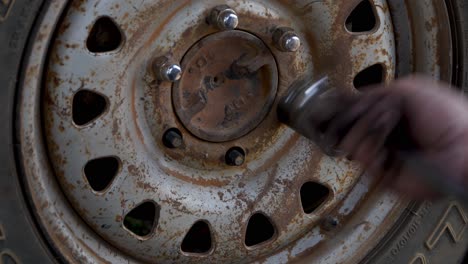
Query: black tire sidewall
[20, 241]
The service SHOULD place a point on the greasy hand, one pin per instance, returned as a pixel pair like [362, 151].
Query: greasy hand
[432, 116]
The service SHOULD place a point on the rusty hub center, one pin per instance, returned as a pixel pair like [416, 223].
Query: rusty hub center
[228, 86]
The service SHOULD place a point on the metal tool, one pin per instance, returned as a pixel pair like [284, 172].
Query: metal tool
[308, 106]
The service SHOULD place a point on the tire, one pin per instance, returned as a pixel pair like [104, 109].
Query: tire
[412, 240]
[459, 10]
[426, 233]
[20, 241]
[423, 235]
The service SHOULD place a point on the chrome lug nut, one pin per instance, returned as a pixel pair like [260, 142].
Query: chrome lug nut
[167, 70]
[286, 39]
[172, 72]
[224, 18]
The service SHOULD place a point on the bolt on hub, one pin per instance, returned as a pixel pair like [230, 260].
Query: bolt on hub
[235, 157]
[286, 39]
[173, 138]
[166, 69]
[224, 18]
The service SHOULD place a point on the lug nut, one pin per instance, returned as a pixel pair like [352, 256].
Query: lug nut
[167, 70]
[172, 72]
[235, 157]
[286, 39]
[173, 138]
[224, 18]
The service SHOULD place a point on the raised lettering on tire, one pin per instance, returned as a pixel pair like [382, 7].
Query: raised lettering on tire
[453, 223]
[5, 7]
[6, 254]
[419, 259]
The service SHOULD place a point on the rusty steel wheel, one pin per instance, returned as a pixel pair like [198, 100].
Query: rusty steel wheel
[146, 131]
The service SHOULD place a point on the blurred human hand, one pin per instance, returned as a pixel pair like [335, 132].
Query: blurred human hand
[415, 114]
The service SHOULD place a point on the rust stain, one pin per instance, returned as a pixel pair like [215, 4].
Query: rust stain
[158, 31]
[135, 113]
[196, 180]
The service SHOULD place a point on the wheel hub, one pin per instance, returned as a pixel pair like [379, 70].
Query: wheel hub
[228, 87]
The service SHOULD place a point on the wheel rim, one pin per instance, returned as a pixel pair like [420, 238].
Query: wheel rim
[137, 115]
